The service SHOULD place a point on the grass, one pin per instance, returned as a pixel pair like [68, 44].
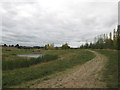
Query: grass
[25, 62]
[68, 59]
[111, 70]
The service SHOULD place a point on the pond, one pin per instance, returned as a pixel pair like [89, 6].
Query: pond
[31, 55]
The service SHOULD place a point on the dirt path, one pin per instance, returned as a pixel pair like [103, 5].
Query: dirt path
[88, 75]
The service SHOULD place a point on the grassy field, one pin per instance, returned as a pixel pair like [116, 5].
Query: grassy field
[66, 59]
[111, 69]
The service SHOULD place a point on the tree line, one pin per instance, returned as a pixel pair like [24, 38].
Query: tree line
[105, 41]
[46, 47]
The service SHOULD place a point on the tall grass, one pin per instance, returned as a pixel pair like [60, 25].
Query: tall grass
[18, 63]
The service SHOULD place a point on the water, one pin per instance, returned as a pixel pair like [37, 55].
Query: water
[31, 55]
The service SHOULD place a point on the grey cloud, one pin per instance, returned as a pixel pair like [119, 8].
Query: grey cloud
[43, 23]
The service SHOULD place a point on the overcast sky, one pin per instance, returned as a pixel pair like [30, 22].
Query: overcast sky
[56, 21]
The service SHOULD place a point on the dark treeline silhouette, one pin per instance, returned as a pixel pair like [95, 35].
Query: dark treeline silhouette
[105, 41]
[23, 47]
[46, 47]
[27, 47]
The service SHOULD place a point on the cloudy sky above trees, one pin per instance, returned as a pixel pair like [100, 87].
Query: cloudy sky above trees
[40, 22]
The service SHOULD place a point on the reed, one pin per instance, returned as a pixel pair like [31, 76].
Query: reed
[26, 62]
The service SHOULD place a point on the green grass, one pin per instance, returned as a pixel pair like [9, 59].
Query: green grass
[111, 70]
[25, 62]
[67, 59]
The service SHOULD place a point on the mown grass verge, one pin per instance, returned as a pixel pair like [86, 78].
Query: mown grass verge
[18, 76]
[24, 62]
[111, 69]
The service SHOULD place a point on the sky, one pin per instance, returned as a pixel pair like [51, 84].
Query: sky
[40, 22]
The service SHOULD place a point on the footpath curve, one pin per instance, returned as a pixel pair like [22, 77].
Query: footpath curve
[88, 75]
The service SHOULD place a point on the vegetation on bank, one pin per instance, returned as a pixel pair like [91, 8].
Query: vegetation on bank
[111, 69]
[25, 62]
[68, 59]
